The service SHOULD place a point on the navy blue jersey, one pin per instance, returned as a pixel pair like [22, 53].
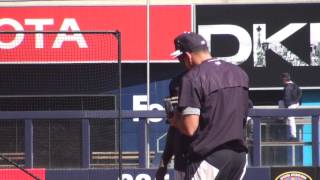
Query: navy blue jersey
[220, 90]
[176, 143]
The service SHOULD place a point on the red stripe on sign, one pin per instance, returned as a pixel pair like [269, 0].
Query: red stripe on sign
[129, 20]
[165, 21]
[17, 174]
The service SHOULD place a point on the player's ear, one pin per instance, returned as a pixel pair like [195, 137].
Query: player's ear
[188, 54]
[188, 60]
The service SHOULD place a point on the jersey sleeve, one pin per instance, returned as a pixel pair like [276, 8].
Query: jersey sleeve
[190, 93]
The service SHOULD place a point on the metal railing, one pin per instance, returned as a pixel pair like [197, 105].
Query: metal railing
[255, 114]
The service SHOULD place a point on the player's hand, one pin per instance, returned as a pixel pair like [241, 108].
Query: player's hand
[161, 172]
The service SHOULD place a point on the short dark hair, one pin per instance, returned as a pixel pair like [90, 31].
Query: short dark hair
[285, 76]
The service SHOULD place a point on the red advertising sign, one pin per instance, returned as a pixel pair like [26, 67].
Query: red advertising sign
[17, 174]
[165, 23]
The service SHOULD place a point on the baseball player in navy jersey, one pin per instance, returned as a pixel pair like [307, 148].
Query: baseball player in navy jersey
[176, 142]
[212, 111]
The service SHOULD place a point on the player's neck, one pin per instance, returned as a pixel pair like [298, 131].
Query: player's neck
[201, 57]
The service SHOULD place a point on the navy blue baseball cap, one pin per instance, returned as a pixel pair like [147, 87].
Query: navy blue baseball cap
[188, 42]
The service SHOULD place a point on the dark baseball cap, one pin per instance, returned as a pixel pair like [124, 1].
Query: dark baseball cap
[188, 42]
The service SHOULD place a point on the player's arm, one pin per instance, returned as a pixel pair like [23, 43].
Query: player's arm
[167, 154]
[187, 122]
[168, 150]
[188, 116]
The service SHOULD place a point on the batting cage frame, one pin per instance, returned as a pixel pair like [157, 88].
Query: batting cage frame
[28, 116]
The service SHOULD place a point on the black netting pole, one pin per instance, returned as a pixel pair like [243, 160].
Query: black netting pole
[119, 105]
